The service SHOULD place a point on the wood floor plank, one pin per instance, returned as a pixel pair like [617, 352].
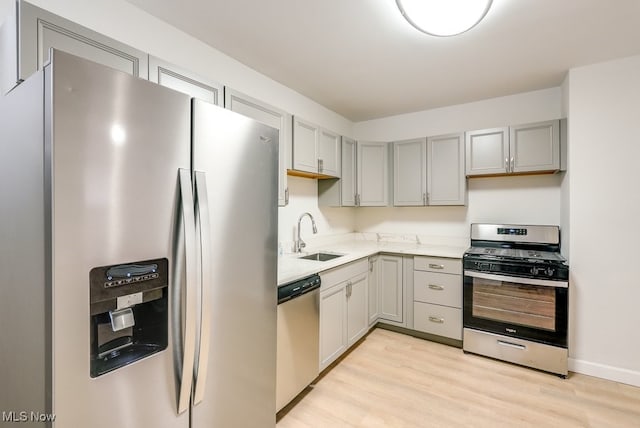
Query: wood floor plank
[394, 380]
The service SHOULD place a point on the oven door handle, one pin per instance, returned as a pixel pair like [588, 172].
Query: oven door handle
[516, 279]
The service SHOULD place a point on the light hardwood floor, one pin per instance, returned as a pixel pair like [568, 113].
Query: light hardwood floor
[394, 380]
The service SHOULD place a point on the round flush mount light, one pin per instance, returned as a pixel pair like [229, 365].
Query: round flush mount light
[444, 17]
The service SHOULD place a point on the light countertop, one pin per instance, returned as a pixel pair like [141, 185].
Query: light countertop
[291, 267]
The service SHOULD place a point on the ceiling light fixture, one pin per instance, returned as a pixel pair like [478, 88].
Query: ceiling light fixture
[444, 17]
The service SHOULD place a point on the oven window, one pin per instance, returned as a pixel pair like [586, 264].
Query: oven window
[527, 305]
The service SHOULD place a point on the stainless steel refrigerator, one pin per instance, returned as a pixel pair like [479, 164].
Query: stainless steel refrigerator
[138, 255]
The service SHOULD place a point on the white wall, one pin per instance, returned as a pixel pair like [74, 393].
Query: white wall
[527, 200]
[604, 103]
[330, 221]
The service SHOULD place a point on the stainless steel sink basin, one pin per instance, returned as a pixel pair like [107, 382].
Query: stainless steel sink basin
[321, 257]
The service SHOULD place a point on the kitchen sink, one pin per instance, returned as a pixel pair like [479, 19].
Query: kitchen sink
[321, 257]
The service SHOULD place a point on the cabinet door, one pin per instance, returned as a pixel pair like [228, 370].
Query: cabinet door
[348, 173]
[272, 116]
[357, 308]
[535, 147]
[391, 292]
[373, 174]
[40, 30]
[329, 153]
[409, 179]
[374, 290]
[305, 142]
[333, 324]
[176, 78]
[446, 182]
[487, 151]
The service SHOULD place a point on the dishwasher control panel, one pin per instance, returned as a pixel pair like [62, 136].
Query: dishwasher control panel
[294, 289]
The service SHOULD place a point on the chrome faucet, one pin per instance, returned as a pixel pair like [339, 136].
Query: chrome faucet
[300, 244]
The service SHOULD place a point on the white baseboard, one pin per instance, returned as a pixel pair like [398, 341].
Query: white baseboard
[603, 371]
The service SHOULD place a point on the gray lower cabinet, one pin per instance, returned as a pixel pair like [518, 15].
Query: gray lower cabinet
[343, 309]
[274, 117]
[518, 149]
[374, 290]
[31, 31]
[437, 296]
[391, 288]
[176, 78]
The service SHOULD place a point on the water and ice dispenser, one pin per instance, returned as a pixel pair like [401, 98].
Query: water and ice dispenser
[129, 313]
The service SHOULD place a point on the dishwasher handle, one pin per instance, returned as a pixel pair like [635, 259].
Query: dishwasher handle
[298, 288]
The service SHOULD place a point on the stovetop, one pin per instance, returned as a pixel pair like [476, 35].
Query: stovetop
[491, 253]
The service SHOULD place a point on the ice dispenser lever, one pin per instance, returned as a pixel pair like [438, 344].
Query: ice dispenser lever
[121, 319]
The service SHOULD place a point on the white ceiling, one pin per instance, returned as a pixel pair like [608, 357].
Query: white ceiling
[361, 59]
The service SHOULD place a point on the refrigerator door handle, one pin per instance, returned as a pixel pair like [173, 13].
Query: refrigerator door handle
[187, 332]
[202, 205]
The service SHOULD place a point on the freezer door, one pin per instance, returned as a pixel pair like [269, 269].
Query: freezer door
[117, 143]
[239, 158]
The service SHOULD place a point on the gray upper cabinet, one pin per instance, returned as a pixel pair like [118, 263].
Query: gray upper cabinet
[487, 151]
[520, 149]
[429, 171]
[33, 31]
[446, 182]
[316, 151]
[373, 174]
[305, 139]
[409, 167]
[348, 180]
[272, 116]
[535, 147]
[329, 153]
[174, 77]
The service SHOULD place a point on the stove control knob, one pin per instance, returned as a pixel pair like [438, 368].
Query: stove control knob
[484, 266]
[534, 270]
[550, 271]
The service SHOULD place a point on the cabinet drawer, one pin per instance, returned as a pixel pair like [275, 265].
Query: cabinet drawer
[439, 320]
[438, 264]
[439, 288]
[337, 275]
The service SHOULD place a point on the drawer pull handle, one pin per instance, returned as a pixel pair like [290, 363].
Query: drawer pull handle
[511, 345]
[436, 287]
[436, 320]
[435, 266]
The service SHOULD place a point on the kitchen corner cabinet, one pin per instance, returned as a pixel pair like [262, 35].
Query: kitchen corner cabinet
[30, 32]
[364, 176]
[176, 78]
[343, 309]
[391, 288]
[527, 148]
[316, 151]
[274, 117]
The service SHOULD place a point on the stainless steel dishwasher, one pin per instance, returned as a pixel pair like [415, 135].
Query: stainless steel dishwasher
[298, 338]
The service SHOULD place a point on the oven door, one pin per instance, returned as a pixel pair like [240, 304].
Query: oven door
[525, 308]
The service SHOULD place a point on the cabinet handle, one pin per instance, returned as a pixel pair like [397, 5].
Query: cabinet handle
[357, 199]
[506, 164]
[424, 199]
[512, 164]
[435, 266]
[320, 165]
[436, 320]
[286, 196]
[370, 266]
[436, 287]
[428, 198]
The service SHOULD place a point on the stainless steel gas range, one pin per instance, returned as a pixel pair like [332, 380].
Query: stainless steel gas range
[516, 291]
